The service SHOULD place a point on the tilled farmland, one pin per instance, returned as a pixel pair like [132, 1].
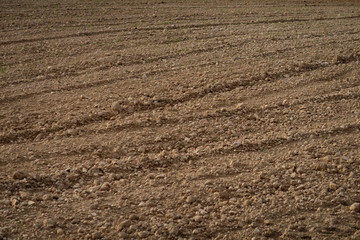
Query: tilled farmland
[180, 119]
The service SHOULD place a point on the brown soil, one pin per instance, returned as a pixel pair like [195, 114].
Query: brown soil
[180, 119]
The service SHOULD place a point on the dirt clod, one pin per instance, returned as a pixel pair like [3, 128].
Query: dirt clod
[191, 199]
[355, 207]
[117, 106]
[19, 175]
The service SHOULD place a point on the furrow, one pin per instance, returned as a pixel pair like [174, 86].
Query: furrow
[96, 33]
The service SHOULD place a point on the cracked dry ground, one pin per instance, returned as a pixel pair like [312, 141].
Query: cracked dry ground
[180, 119]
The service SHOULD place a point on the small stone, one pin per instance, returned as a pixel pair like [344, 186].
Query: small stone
[223, 195]
[143, 234]
[94, 206]
[112, 177]
[46, 197]
[151, 176]
[262, 176]
[132, 228]
[339, 59]
[267, 222]
[235, 163]
[240, 105]
[160, 176]
[105, 187]
[59, 231]
[320, 166]
[97, 235]
[331, 221]
[174, 230]
[24, 195]
[271, 233]
[19, 175]
[332, 186]
[141, 149]
[208, 182]
[124, 224]
[30, 203]
[355, 207]
[190, 199]
[50, 223]
[14, 202]
[197, 218]
[133, 217]
[117, 152]
[37, 225]
[256, 116]
[246, 202]
[116, 106]
[122, 235]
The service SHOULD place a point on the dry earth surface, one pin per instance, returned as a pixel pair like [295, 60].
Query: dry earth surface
[180, 119]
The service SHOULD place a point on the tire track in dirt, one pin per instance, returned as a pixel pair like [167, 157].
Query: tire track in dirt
[212, 36]
[31, 134]
[146, 164]
[245, 113]
[225, 113]
[227, 87]
[137, 75]
[303, 20]
[81, 71]
[131, 63]
[96, 33]
[97, 83]
[94, 24]
[134, 19]
[250, 146]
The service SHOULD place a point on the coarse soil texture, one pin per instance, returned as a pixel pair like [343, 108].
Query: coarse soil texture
[180, 119]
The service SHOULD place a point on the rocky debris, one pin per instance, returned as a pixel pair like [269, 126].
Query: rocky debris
[198, 218]
[143, 234]
[117, 106]
[123, 225]
[19, 175]
[97, 235]
[355, 207]
[59, 231]
[49, 223]
[14, 202]
[24, 195]
[122, 235]
[105, 186]
[191, 199]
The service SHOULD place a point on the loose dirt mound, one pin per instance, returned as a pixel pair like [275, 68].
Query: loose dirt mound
[180, 119]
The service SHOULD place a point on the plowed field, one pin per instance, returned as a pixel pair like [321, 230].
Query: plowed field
[180, 119]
